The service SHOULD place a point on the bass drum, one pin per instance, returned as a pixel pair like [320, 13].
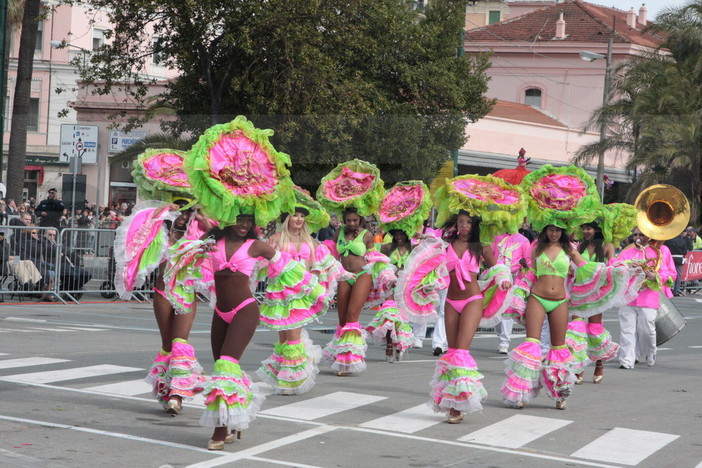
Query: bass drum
[669, 321]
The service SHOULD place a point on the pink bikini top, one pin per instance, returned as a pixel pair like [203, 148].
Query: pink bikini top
[463, 266]
[240, 260]
[302, 255]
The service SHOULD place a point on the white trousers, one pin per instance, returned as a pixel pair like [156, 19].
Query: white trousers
[438, 339]
[504, 331]
[637, 334]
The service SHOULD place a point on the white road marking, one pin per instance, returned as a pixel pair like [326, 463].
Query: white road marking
[85, 328]
[108, 434]
[698, 300]
[68, 374]
[408, 421]
[515, 431]
[25, 362]
[625, 446]
[253, 451]
[319, 407]
[24, 319]
[51, 329]
[2, 330]
[694, 347]
[281, 463]
[129, 388]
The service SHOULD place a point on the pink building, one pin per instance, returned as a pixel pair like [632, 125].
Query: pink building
[536, 63]
[55, 96]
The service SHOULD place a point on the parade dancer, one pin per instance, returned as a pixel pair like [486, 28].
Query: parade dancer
[402, 213]
[457, 386]
[637, 320]
[356, 189]
[235, 172]
[141, 245]
[292, 367]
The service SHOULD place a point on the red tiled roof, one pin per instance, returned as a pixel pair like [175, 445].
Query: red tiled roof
[522, 112]
[585, 22]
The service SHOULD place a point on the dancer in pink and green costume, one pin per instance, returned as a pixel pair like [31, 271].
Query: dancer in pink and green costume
[235, 172]
[558, 200]
[355, 189]
[141, 246]
[402, 213]
[292, 367]
[457, 386]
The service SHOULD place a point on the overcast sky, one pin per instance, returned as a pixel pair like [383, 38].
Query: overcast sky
[654, 6]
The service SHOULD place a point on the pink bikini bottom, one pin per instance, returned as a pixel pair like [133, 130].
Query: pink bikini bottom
[460, 304]
[229, 316]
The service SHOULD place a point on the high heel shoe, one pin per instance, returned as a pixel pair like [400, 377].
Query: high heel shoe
[215, 444]
[579, 378]
[455, 418]
[232, 437]
[389, 356]
[174, 406]
[598, 378]
[561, 404]
[399, 355]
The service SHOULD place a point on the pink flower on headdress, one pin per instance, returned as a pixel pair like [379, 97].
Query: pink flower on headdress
[242, 166]
[348, 185]
[485, 191]
[167, 168]
[400, 202]
[559, 192]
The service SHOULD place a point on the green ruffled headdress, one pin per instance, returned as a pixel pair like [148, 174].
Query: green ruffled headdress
[354, 184]
[618, 219]
[561, 196]
[498, 203]
[233, 169]
[316, 218]
[405, 207]
[159, 175]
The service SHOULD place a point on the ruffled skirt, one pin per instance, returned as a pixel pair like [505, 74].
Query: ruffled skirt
[346, 352]
[390, 320]
[457, 384]
[292, 367]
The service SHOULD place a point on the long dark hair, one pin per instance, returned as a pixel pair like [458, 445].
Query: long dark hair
[217, 233]
[362, 224]
[451, 233]
[542, 241]
[394, 244]
[597, 241]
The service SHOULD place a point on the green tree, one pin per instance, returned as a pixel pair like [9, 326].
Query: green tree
[335, 79]
[17, 149]
[656, 116]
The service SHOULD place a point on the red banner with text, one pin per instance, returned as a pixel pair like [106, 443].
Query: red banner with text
[692, 269]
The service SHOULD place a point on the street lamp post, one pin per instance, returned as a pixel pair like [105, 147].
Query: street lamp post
[75, 162]
[591, 57]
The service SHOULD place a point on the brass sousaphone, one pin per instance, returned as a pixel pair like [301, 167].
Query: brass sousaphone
[663, 212]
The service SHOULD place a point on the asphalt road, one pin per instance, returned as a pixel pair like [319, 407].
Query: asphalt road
[72, 394]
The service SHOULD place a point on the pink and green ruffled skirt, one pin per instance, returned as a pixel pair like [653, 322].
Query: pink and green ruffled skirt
[292, 367]
[389, 320]
[457, 384]
[346, 352]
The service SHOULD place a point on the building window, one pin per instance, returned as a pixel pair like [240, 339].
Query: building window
[157, 50]
[493, 17]
[33, 124]
[532, 97]
[40, 37]
[98, 38]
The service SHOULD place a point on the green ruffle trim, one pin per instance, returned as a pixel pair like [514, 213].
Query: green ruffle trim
[495, 218]
[216, 200]
[618, 221]
[366, 204]
[585, 210]
[412, 223]
[152, 253]
[318, 217]
[152, 189]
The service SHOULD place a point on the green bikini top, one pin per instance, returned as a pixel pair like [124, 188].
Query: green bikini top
[558, 267]
[398, 259]
[356, 246]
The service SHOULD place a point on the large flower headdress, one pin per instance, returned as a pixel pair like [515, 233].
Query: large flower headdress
[405, 207]
[354, 184]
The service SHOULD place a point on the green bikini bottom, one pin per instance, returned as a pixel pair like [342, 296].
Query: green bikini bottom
[549, 305]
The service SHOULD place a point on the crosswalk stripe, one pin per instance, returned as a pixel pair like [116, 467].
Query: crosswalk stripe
[319, 407]
[25, 362]
[25, 319]
[127, 388]
[625, 446]
[50, 329]
[515, 431]
[408, 421]
[84, 328]
[67, 374]
[15, 330]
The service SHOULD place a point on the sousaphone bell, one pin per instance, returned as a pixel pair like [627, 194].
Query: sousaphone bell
[663, 212]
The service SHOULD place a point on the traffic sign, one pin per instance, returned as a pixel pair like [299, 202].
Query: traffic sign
[79, 141]
[119, 140]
